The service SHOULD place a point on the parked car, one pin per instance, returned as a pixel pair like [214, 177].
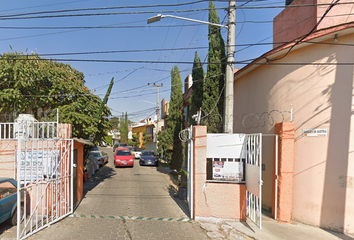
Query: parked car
[101, 157]
[117, 145]
[8, 200]
[123, 157]
[91, 165]
[148, 158]
[95, 148]
[137, 152]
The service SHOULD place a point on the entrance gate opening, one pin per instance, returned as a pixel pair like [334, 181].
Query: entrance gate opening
[44, 173]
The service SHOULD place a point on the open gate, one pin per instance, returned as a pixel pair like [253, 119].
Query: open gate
[253, 154]
[254, 178]
[44, 172]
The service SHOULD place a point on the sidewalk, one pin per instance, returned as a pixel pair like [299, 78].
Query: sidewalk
[271, 229]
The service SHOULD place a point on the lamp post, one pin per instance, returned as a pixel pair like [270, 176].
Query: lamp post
[229, 75]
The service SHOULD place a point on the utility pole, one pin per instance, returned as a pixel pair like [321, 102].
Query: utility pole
[229, 75]
[229, 89]
[157, 110]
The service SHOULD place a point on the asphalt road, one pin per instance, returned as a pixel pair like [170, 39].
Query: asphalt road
[123, 203]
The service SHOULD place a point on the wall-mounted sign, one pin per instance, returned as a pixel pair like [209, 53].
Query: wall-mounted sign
[227, 171]
[317, 132]
[37, 165]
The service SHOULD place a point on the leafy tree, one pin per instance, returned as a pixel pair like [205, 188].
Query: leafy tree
[175, 120]
[197, 89]
[124, 128]
[108, 139]
[30, 84]
[135, 141]
[164, 147]
[144, 140]
[213, 100]
[115, 122]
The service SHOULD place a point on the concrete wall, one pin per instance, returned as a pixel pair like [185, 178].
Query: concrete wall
[295, 22]
[214, 200]
[322, 97]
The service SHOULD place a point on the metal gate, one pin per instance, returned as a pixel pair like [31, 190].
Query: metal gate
[44, 172]
[254, 178]
[254, 182]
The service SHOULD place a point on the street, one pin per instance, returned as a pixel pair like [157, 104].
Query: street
[123, 203]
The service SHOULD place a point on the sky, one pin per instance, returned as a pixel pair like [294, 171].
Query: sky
[111, 39]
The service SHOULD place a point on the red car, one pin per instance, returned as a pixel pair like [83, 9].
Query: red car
[123, 157]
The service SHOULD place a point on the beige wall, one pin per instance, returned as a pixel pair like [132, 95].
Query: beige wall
[322, 97]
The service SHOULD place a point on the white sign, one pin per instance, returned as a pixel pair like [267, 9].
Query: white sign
[36, 165]
[228, 171]
[315, 132]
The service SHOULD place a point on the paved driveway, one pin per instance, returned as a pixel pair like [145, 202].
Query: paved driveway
[124, 203]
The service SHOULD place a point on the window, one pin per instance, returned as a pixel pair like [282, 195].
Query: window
[95, 154]
[7, 189]
[123, 153]
[147, 153]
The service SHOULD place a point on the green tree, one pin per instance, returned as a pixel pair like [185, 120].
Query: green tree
[213, 100]
[175, 120]
[115, 122]
[164, 145]
[135, 141]
[30, 84]
[124, 128]
[144, 140]
[108, 139]
[197, 89]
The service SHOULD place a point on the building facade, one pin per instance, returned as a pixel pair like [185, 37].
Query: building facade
[311, 84]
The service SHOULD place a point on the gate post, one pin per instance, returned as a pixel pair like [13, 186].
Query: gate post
[286, 132]
[199, 175]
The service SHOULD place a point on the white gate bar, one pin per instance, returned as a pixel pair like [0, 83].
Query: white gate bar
[260, 179]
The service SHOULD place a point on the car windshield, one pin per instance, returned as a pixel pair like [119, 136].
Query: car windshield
[123, 153]
[147, 153]
[138, 149]
[95, 154]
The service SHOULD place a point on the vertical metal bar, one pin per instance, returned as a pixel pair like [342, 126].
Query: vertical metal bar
[18, 164]
[260, 180]
[72, 176]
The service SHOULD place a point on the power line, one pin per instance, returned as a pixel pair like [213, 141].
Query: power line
[102, 8]
[104, 14]
[164, 11]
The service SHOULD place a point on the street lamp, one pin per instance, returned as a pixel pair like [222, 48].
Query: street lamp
[229, 86]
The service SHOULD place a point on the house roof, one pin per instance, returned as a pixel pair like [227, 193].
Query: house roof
[315, 37]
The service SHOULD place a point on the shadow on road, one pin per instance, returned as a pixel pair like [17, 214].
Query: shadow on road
[103, 173]
[181, 203]
[4, 227]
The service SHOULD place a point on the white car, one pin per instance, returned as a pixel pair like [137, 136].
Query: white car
[137, 152]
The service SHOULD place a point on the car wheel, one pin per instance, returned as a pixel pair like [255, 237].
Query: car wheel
[13, 219]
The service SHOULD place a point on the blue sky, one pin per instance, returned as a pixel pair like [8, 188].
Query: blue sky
[128, 40]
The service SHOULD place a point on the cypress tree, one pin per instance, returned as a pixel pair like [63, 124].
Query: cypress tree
[213, 95]
[175, 120]
[197, 89]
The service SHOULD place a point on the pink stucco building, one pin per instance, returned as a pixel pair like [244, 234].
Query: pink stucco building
[315, 78]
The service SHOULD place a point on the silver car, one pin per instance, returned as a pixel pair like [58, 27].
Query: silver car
[101, 157]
